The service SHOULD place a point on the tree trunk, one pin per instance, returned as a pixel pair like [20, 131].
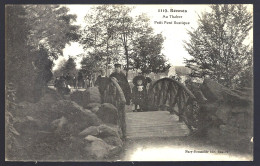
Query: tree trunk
[127, 61]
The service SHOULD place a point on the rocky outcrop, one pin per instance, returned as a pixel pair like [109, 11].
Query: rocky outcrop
[77, 96]
[55, 128]
[91, 95]
[108, 113]
[97, 148]
[84, 98]
[78, 117]
[213, 91]
[229, 113]
[102, 141]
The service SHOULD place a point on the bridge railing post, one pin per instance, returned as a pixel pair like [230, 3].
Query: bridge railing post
[119, 103]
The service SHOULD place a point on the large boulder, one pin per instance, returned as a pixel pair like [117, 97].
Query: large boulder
[106, 131]
[101, 131]
[92, 130]
[84, 98]
[94, 107]
[91, 95]
[77, 96]
[59, 124]
[78, 117]
[223, 113]
[108, 113]
[97, 148]
[213, 91]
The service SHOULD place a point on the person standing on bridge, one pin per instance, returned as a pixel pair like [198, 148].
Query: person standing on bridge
[139, 93]
[122, 81]
[102, 81]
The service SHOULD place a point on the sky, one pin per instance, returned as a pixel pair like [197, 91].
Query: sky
[174, 34]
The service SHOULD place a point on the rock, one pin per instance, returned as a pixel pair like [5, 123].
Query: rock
[98, 148]
[91, 95]
[241, 109]
[105, 131]
[94, 107]
[199, 96]
[213, 91]
[108, 113]
[210, 107]
[92, 130]
[59, 123]
[26, 125]
[78, 117]
[91, 138]
[223, 113]
[239, 120]
[77, 97]
[112, 140]
[30, 118]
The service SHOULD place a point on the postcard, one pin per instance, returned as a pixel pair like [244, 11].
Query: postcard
[123, 82]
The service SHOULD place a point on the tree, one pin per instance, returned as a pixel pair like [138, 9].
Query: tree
[146, 54]
[31, 45]
[51, 26]
[113, 32]
[90, 64]
[99, 36]
[70, 67]
[217, 47]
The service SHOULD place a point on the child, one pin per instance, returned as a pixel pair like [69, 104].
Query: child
[139, 94]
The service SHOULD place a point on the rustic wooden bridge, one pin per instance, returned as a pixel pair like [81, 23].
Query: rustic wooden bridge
[154, 124]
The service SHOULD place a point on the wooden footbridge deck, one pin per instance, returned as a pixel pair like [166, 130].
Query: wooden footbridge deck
[154, 124]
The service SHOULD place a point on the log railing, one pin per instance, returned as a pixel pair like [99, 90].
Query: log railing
[115, 95]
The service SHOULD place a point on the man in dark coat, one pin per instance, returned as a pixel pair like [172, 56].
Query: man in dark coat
[122, 81]
[102, 82]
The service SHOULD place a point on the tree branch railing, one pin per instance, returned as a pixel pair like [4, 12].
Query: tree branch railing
[115, 95]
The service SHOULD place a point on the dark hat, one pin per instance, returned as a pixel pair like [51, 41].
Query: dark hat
[136, 78]
[117, 65]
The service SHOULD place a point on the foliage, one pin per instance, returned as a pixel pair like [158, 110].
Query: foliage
[147, 55]
[31, 46]
[91, 64]
[66, 67]
[114, 33]
[99, 36]
[218, 48]
[51, 26]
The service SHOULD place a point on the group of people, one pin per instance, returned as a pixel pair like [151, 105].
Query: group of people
[138, 94]
[65, 82]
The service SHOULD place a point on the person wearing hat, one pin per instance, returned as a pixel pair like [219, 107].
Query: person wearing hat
[102, 81]
[122, 81]
[139, 93]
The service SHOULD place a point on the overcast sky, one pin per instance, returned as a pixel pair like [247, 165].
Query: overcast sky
[174, 34]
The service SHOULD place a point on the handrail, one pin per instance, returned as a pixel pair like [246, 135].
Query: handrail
[121, 93]
[179, 84]
[119, 103]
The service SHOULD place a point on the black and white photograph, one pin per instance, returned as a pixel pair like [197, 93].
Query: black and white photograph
[121, 82]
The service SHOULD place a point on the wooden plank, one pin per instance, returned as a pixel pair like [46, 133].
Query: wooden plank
[154, 124]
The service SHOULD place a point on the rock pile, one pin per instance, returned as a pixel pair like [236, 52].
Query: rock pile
[59, 129]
